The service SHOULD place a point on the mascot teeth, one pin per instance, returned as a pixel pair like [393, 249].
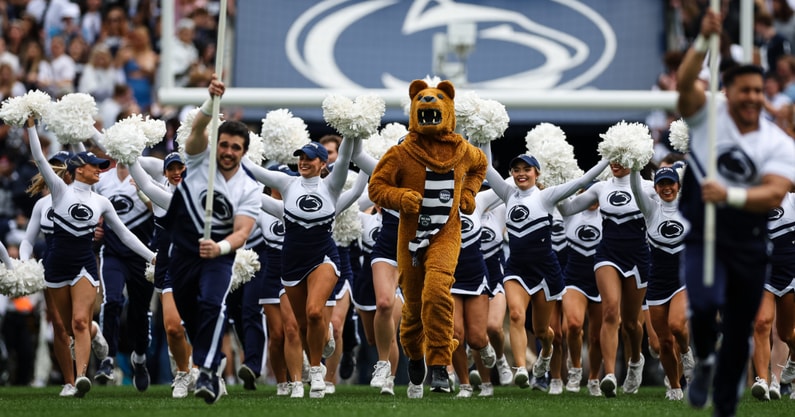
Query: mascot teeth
[434, 115]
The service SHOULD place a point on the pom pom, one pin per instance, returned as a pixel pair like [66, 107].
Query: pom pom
[125, 140]
[481, 120]
[256, 149]
[149, 273]
[282, 133]
[347, 226]
[354, 119]
[71, 119]
[629, 144]
[23, 278]
[183, 131]
[154, 131]
[680, 136]
[379, 143]
[547, 143]
[246, 265]
[16, 110]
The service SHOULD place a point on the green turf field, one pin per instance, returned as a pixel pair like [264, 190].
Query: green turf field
[351, 401]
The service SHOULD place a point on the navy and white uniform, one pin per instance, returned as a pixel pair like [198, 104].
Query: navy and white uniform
[558, 236]
[470, 274]
[122, 269]
[201, 285]
[583, 234]
[781, 231]
[741, 241]
[363, 289]
[40, 221]
[491, 245]
[385, 248]
[666, 230]
[273, 232]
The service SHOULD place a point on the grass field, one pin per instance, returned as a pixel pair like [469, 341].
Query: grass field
[351, 401]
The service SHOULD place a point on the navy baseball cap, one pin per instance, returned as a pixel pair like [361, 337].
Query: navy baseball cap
[666, 173]
[283, 168]
[313, 150]
[171, 158]
[60, 157]
[83, 158]
[528, 159]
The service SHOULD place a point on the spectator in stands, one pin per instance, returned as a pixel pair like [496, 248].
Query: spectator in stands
[37, 70]
[63, 68]
[9, 85]
[771, 45]
[114, 28]
[8, 57]
[783, 19]
[139, 62]
[111, 107]
[91, 23]
[100, 76]
[78, 49]
[69, 26]
[785, 68]
[777, 106]
[184, 56]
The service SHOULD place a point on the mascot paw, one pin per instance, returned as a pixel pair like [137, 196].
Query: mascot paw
[467, 202]
[411, 202]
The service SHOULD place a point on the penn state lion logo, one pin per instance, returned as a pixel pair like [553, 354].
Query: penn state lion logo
[487, 235]
[277, 228]
[775, 214]
[122, 204]
[374, 234]
[670, 229]
[588, 233]
[222, 208]
[619, 198]
[309, 203]
[81, 212]
[425, 220]
[735, 165]
[466, 225]
[50, 214]
[518, 213]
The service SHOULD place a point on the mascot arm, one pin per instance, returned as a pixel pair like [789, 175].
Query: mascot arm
[473, 180]
[384, 189]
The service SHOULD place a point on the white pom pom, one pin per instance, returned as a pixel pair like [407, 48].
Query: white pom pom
[183, 131]
[629, 144]
[256, 149]
[23, 278]
[347, 226]
[481, 120]
[355, 119]
[246, 265]
[432, 80]
[680, 136]
[154, 131]
[16, 110]
[548, 144]
[125, 140]
[71, 119]
[282, 133]
[149, 273]
[377, 145]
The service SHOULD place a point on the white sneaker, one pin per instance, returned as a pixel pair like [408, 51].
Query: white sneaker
[317, 386]
[330, 388]
[474, 378]
[283, 389]
[555, 386]
[688, 364]
[575, 376]
[486, 390]
[297, 389]
[608, 385]
[488, 356]
[760, 391]
[68, 390]
[541, 366]
[381, 370]
[506, 375]
[414, 391]
[593, 388]
[98, 344]
[194, 375]
[331, 345]
[82, 386]
[521, 378]
[389, 386]
[788, 373]
[222, 387]
[634, 376]
[674, 394]
[464, 391]
[775, 388]
[179, 388]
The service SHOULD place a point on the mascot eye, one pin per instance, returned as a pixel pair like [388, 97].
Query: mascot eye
[440, 95]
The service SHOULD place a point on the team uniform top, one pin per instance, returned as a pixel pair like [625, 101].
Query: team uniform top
[583, 234]
[363, 293]
[491, 241]
[131, 210]
[470, 272]
[40, 221]
[781, 231]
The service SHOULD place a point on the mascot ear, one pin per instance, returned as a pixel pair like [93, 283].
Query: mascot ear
[448, 88]
[415, 87]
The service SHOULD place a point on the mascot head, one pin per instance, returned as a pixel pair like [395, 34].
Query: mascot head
[432, 109]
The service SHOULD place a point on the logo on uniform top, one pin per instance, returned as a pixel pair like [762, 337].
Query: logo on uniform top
[445, 196]
[588, 233]
[487, 235]
[374, 233]
[557, 227]
[425, 220]
[466, 225]
[670, 229]
[80, 211]
[50, 214]
[277, 228]
[775, 214]
[121, 203]
[309, 203]
[518, 213]
[222, 208]
[619, 198]
[735, 165]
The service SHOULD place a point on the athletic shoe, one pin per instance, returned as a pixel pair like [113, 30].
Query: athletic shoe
[381, 370]
[521, 378]
[221, 387]
[786, 390]
[82, 386]
[347, 364]
[488, 356]
[140, 375]
[297, 389]
[317, 386]
[775, 388]
[698, 389]
[207, 387]
[248, 377]
[555, 386]
[68, 390]
[688, 363]
[330, 388]
[440, 379]
[474, 378]
[98, 344]
[464, 391]
[608, 385]
[541, 367]
[417, 371]
[389, 386]
[486, 390]
[179, 388]
[674, 394]
[414, 391]
[594, 389]
[331, 344]
[634, 376]
[540, 384]
[104, 372]
[654, 354]
[760, 391]
[194, 375]
[506, 375]
[575, 376]
[788, 373]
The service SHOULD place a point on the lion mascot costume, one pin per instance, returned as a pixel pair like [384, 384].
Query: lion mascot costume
[428, 178]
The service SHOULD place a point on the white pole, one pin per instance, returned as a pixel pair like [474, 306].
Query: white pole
[712, 134]
[167, 44]
[747, 30]
[216, 102]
